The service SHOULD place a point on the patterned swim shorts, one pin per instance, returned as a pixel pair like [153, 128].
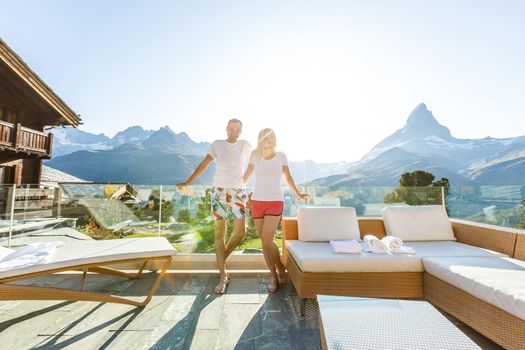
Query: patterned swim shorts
[224, 198]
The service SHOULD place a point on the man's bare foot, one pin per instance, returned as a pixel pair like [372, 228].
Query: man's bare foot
[272, 286]
[282, 276]
[223, 283]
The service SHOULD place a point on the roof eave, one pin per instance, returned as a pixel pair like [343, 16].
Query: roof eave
[68, 116]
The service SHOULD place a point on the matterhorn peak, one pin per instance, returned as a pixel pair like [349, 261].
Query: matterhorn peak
[421, 122]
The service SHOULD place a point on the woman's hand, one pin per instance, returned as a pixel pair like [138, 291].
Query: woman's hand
[303, 196]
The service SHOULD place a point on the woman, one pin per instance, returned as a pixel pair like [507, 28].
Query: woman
[268, 200]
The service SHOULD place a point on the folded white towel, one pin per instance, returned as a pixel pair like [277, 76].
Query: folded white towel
[373, 245]
[405, 250]
[392, 243]
[346, 246]
[31, 254]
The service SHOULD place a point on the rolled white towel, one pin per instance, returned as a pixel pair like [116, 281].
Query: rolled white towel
[392, 243]
[31, 254]
[346, 246]
[374, 245]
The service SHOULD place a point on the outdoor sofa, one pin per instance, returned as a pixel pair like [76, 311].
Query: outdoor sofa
[475, 272]
[90, 257]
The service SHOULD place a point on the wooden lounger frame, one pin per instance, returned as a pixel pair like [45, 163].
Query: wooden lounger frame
[23, 292]
[501, 327]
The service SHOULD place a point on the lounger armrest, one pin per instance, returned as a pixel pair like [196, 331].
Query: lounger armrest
[289, 231]
[497, 238]
[519, 251]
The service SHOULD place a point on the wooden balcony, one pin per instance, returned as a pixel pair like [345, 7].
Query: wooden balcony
[25, 141]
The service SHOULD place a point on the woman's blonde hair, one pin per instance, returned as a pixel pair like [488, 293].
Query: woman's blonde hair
[263, 134]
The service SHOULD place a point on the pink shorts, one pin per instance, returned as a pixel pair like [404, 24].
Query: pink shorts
[262, 208]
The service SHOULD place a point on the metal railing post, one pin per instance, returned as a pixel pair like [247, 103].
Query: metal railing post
[25, 201]
[12, 210]
[160, 207]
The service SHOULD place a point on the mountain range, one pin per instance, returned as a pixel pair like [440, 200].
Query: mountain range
[134, 155]
[424, 144]
[69, 140]
[143, 156]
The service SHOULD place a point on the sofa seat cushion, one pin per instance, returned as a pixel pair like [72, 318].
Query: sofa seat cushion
[319, 257]
[418, 223]
[497, 281]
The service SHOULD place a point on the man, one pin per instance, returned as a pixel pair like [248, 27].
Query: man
[228, 192]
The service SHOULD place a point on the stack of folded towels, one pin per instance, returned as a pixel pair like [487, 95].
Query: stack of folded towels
[372, 244]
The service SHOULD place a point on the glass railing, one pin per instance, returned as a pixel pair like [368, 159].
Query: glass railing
[496, 205]
[74, 211]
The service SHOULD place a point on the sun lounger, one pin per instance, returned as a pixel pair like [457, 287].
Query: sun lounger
[90, 256]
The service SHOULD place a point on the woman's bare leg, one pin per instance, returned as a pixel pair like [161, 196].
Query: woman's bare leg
[271, 251]
[259, 226]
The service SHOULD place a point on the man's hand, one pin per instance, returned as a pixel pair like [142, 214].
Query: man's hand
[182, 185]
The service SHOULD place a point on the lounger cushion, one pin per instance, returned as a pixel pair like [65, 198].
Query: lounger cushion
[5, 251]
[497, 281]
[319, 257]
[325, 224]
[93, 252]
[418, 223]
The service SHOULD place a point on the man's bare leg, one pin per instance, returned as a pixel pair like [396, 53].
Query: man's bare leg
[239, 230]
[220, 232]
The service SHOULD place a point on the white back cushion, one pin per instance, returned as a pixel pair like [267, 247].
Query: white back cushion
[418, 223]
[325, 224]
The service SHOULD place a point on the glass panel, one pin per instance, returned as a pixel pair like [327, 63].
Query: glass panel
[73, 212]
[496, 205]
[367, 200]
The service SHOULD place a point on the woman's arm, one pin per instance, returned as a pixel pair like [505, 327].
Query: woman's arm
[198, 171]
[289, 179]
[248, 173]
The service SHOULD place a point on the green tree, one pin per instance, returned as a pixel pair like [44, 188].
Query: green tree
[418, 188]
[184, 216]
[522, 223]
[151, 211]
[416, 178]
[204, 207]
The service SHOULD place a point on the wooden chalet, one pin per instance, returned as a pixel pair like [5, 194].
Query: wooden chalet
[28, 109]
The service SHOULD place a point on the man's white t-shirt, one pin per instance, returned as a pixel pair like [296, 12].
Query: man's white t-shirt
[230, 159]
[268, 174]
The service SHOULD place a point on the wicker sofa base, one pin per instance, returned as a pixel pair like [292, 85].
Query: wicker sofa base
[402, 285]
[494, 323]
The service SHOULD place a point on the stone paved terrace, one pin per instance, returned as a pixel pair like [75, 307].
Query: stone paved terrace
[184, 314]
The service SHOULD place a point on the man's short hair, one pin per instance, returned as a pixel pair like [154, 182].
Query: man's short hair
[234, 120]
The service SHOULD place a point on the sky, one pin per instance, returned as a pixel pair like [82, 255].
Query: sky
[332, 78]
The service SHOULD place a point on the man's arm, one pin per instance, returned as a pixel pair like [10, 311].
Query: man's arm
[197, 172]
[248, 173]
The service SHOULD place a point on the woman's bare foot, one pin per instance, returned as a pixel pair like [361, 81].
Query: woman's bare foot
[223, 283]
[272, 286]
[282, 276]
